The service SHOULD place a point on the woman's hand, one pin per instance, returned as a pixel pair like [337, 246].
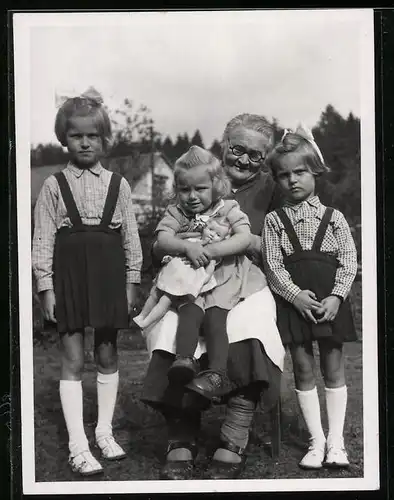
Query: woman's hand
[329, 309]
[48, 304]
[306, 304]
[131, 294]
[197, 254]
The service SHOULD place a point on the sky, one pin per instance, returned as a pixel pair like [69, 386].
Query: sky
[196, 70]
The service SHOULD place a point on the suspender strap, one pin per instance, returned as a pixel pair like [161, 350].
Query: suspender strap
[68, 198]
[112, 198]
[321, 231]
[289, 229]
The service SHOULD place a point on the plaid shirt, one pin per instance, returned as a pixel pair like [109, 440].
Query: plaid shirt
[89, 188]
[306, 218]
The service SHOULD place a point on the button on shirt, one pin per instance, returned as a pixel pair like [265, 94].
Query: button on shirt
[306, 218]
[89, 188]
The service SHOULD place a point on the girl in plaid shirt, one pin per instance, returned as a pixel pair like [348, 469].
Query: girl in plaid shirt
[311, 263]
[86, 259]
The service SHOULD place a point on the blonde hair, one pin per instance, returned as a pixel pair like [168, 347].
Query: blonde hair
[258, 123]
[196, 157]
[296, 145]
[83, 106]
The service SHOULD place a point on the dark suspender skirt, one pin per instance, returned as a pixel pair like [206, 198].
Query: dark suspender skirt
[312, 270]
[89, 268]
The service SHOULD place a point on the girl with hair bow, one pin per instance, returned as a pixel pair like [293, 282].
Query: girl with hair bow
[87, 260]
[311, 262]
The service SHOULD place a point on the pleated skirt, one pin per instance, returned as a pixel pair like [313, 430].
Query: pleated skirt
[315, 271]
[89, 279]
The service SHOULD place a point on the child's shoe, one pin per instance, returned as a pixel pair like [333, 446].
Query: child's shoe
[208, 383]
[110, 450]
[85, 464]
[315, 455]
[183, 370]
[336, 457]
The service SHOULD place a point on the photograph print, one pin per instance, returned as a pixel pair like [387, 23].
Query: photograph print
[196, 251]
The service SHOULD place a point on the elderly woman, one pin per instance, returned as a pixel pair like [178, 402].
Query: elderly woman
[255, 354]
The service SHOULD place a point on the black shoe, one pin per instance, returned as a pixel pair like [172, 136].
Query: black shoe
[183, 370]
[179, 469]
[226, 470]
[208, 383]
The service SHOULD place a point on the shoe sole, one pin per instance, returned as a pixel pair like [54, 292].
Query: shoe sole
[180, 375]
[88, 474]
[114, 459]
[334, 465]
[306, 467]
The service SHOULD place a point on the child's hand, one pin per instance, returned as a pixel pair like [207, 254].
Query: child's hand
[306, 304]
[197, 254]
[329, 309]
[48, 303]
[131, 294]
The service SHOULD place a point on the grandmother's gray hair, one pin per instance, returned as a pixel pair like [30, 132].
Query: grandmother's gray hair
[252, 122]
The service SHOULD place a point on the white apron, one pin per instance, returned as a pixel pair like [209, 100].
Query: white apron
[252, 318]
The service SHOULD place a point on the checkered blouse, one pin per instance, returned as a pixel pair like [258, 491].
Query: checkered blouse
[306, 218]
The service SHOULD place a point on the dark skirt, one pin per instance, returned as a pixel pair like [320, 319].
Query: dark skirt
[248, 365]
[313, 271]
[90, 279]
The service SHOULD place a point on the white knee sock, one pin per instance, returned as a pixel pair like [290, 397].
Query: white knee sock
[336, 400]
[107, 390]
[310, 409]
[72, 405]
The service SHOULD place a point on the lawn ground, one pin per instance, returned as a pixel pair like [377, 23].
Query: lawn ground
[141, 431]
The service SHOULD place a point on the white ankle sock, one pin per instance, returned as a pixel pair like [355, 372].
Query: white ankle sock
[107, 390]
[336, 401]
[310, 409]
[72, 405]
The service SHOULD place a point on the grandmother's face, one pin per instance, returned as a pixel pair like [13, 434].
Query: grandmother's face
[243, 154]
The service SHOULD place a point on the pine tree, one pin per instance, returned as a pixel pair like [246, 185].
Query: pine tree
[216, 149]
[197, 139]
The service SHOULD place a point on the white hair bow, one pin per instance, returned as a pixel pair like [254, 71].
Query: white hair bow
[305, 133]
[91, 93]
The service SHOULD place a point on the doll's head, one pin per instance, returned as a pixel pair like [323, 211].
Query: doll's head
[216, 230]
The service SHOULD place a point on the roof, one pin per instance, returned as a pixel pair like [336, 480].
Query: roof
[133, 167]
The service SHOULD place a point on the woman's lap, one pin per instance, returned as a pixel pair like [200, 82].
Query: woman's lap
[248, 365]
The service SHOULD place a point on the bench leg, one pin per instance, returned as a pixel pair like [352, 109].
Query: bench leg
[275, 417]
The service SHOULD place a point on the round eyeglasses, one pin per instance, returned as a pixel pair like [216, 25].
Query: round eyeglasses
[253, 155]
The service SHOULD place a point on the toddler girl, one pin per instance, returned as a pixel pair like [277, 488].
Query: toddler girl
[86, 259]
[200, 185]
[311, 263]
[178, 281]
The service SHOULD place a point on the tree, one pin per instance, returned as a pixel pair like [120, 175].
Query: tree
[216, 148]
[131, 127]
[197, 139]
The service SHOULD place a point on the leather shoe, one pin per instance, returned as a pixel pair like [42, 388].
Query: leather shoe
[183, 370]
[208, 384]
[226, 470]
[179, 469]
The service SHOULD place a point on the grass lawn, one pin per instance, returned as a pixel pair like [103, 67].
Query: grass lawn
[141, 430]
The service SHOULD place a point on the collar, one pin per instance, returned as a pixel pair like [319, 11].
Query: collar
[204, 216]
[314, 201]
[96, 169]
